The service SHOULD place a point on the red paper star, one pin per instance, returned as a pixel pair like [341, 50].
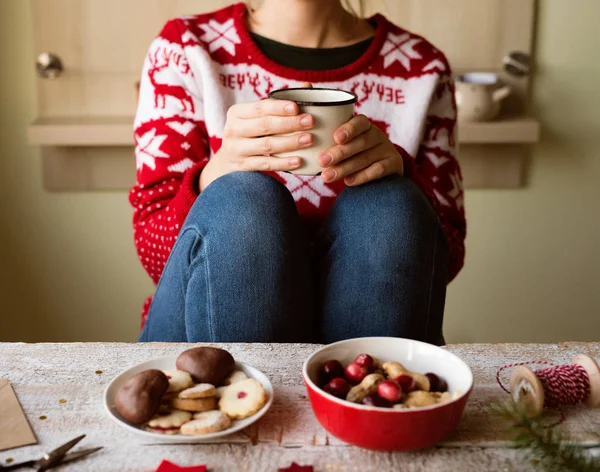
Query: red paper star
[166, 466]
[297, 468]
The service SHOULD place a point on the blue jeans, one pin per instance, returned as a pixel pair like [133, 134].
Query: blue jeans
[245, 268]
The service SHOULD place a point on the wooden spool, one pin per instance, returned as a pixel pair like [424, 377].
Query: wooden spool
[593, 371]
[527, 389]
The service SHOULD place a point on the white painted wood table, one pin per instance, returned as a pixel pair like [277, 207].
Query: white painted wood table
[43, 374]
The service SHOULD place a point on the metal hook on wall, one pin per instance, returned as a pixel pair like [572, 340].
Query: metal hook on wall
[517, 64]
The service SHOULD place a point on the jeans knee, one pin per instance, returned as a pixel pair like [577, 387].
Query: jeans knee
[393, 204]
[249, 191]
[385, 222]
[247, 208]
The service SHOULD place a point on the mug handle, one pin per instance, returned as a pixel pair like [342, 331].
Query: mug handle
[502, 93]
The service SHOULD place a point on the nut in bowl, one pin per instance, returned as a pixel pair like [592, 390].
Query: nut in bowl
[199, 396]
[388, 404]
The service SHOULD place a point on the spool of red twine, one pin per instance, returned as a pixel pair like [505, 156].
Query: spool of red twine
[554, 386]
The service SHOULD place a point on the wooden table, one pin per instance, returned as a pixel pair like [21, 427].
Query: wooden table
[43, 374]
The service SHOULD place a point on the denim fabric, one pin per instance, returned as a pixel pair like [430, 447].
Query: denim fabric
[245, 269]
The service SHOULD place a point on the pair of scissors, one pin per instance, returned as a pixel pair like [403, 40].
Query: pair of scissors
[58, 456]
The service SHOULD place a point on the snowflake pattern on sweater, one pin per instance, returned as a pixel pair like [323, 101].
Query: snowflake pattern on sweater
[201, 65]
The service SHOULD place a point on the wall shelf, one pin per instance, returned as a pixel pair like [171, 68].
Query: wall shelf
[82, 131]
[118, 132]
[503, 131]
[89, 154]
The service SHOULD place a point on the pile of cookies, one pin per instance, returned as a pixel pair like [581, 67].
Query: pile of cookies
[202, 396]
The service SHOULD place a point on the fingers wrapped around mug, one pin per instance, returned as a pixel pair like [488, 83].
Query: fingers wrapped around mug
[254, 132]
[362, 153]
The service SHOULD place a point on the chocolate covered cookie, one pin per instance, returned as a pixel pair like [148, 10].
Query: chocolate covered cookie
[206, 364]
[139, 398]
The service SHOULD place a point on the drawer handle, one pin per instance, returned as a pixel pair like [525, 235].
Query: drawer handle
[49, 66]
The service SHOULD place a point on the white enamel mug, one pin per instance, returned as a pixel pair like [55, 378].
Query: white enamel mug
[331, 108]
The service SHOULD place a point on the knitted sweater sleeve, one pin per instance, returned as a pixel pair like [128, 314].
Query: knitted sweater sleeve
[171, 148]
[435, 168]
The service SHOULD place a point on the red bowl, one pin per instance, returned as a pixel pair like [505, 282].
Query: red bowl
[385, 429]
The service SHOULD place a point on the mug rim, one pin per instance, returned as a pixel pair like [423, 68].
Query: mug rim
[478, 78]
[349, 101]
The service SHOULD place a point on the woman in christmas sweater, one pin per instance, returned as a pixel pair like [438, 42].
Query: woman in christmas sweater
[244, 251]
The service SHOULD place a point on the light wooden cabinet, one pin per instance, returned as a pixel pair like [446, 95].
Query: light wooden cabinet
[85, 115]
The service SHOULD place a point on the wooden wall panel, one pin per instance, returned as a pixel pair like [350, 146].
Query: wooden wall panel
[103, 44]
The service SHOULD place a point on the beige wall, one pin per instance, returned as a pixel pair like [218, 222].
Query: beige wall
[533, 264]
[68, 269]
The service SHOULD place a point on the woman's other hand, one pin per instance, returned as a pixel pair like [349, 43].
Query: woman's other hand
[362, 153]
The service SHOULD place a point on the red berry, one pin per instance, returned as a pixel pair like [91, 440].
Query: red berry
[374, 400]
[406, 382]
[390, 391]
[330, 370]
[366, 361]
[436, 383]
[355, 373]
[337, 387]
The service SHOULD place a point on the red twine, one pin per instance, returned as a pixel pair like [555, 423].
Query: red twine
[563, 385]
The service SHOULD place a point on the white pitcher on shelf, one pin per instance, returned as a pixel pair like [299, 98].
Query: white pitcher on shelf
[478, 97]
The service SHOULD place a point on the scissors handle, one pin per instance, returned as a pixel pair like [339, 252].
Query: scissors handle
[20, 465]
[53, 459]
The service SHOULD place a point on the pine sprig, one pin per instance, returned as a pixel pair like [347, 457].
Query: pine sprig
[550, 449]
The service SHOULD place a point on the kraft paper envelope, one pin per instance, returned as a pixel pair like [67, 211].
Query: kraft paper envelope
[15, 430]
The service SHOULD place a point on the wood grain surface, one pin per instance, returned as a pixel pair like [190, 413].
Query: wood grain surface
[44, 374]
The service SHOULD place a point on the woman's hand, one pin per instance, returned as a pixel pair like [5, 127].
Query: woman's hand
[363, 153]
[248, 140]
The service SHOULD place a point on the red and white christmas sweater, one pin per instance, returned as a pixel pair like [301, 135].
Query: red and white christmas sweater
[201, 65]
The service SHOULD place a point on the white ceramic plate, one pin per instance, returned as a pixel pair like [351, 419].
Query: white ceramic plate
[168, 363]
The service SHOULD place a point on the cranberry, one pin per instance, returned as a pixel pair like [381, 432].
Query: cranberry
[330, 370]
[406, 382]
[374, 400]
[355, 373]
[366, 361]
[390, 391]
[436, 383]
[337, 387]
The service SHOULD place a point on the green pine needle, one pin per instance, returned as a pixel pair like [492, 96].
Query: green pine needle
[549, 449]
